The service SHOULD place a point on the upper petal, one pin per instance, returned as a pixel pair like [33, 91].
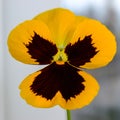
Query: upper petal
[31, 43]
[59, 21]
[92, 45]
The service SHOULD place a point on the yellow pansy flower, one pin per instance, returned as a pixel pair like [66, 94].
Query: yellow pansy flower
[67, 43]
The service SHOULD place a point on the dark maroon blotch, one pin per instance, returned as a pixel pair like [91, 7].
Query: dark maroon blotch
[81, 51]
[54, 78]
[41, 49]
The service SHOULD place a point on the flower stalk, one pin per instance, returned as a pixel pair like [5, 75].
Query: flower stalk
[68, 114]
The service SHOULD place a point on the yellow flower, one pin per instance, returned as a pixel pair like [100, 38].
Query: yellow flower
[67, 43]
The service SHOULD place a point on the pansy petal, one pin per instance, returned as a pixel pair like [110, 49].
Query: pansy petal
[73, 26]
[59, 21]
[60, 85]
[31, 43]
[85, 97]
[92, 45]
[31, 97]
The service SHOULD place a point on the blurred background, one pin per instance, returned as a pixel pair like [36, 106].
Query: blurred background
[106, 105]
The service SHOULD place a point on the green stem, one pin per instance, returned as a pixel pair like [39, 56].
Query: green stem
[68, 115]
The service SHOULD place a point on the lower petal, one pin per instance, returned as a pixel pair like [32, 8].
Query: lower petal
[60, 85]
[30, 97]
[85, 97]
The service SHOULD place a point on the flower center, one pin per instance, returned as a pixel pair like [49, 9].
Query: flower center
[60, 57]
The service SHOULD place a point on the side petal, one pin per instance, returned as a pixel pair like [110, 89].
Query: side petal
[59, 85]
[31, 43]
[95, 45]
[59, 21]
